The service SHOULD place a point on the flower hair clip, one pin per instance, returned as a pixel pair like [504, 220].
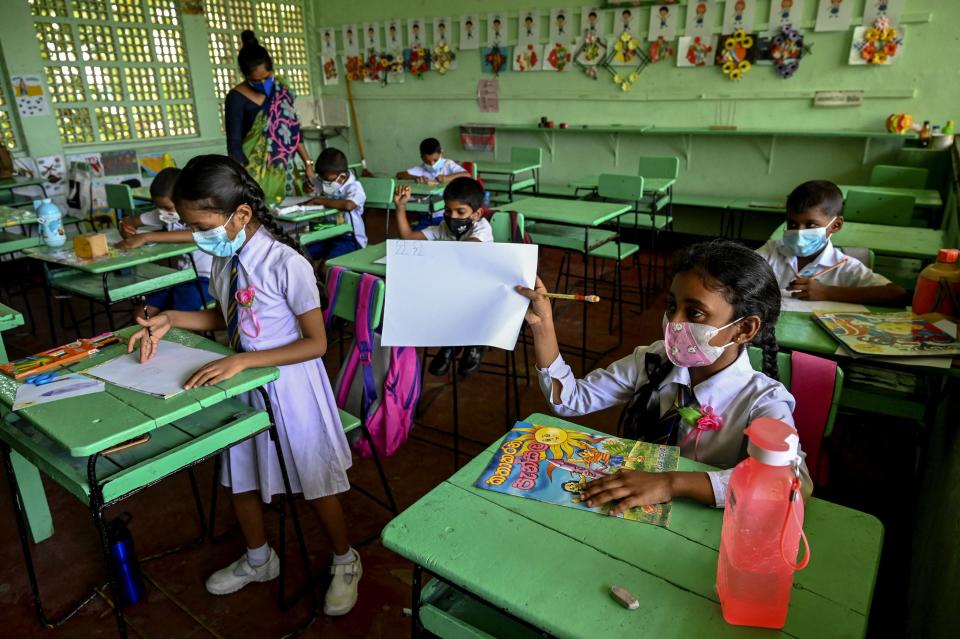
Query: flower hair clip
[245, 298]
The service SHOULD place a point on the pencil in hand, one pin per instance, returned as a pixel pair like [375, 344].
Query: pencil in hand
[575, 298]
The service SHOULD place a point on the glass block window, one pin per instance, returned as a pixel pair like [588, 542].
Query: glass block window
[280, 28]
[116, 69]
[7, 136]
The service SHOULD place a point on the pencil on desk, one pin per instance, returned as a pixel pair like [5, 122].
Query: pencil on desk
[576, 298]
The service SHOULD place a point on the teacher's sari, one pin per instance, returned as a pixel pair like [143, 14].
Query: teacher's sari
[271, 144]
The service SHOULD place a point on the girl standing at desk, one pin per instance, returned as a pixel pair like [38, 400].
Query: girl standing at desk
[271, 312]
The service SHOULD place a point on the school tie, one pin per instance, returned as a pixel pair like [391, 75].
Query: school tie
[668, 428]
[233, 318]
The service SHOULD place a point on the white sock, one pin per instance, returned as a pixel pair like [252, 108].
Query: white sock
[346, 558]
[258, 556]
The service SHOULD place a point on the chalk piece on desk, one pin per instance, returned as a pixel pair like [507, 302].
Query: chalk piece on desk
[624, 598]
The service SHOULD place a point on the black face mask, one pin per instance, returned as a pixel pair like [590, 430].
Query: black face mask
[458, 226]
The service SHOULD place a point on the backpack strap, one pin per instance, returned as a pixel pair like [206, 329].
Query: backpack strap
[333, 290]
[364, 327]
[813, 380]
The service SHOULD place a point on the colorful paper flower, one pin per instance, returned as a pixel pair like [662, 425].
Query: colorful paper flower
[880, 43]
[418, 61]
[733, 59]
[527, 58]
[559, 57]
[699, 52]
[786, 49]
[330, 69]
[354, 68]
[660, 49]
[443, 58]
[495, 59]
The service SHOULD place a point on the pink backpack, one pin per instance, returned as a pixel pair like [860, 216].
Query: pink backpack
[386, 392]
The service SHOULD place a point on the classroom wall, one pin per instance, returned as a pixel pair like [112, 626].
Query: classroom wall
[394, 118]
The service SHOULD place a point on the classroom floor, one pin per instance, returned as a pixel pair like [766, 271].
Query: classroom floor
[164, 516]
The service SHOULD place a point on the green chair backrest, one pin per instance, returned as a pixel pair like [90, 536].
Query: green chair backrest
[502, 229]
[785, 370]
[346, 305]
[526, 155]
[120, 197]
[659, 167]
[878, 208]
[901, 177]
[379, 191]
[620, 187]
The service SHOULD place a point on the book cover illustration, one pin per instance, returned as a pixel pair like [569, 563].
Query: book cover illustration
[553, 464]
[890, 334]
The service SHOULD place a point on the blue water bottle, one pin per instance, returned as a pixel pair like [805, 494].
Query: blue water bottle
[125, 564]
[51, 222]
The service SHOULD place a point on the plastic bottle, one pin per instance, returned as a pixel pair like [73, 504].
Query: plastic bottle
[51, 222]
[762, 527]
[125, 564]
[938, 286]
[924, 135]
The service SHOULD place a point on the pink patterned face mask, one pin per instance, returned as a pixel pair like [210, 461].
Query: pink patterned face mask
[688, 344]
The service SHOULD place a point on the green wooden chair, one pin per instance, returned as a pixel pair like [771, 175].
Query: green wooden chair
[379, 192]
[511, 183]
[878, 208]
[653, 221]
[120, 199]
[503, 227]
[629, 189]
[901, 177]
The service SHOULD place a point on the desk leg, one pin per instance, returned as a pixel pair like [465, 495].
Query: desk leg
[415, 628]
[96, 509]
[33, 498]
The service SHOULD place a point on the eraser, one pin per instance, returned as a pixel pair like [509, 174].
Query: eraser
[624, 598]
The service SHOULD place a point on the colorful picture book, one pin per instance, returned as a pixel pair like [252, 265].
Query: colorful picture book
[891, 334]
[553, 464]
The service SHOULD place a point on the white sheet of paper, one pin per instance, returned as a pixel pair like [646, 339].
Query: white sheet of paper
[456, 293]
[163, 375]
[294, 200]
[807, 306]
[381, 260]
[64, 387]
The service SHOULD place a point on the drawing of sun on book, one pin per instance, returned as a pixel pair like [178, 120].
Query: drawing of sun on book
[553, 464]
[890, 334]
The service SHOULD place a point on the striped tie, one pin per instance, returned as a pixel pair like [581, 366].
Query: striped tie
[668, 428]
[233, 323]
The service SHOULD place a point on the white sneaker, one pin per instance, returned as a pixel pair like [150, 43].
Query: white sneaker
[240, 573]
[342, 592]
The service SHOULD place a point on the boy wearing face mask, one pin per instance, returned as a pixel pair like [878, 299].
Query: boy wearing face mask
[814, 213]
[462, 222]
[339, 190]
[435, 169]
[182, 297]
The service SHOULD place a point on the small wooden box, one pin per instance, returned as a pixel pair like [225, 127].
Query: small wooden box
[90, 246]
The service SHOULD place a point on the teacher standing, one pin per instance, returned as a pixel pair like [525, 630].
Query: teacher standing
[263, 130]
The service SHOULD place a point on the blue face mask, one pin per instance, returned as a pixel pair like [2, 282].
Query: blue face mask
[217, 242]
[265, 87]
[806, 242]
[436, 166]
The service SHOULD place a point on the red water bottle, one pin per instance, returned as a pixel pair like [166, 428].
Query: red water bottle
[938, 286]
[762, 527]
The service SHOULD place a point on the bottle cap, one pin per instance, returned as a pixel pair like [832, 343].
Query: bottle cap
[948, 256]
[772, 442]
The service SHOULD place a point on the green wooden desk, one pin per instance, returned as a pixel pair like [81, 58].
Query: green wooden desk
[552, 567]
[16, 182]
[427, 198]
[926, 198]
[9, 318]
[10, 216]
[307, 234]
[510, 173]
[362, 260]
[896, 241]
[651, 186]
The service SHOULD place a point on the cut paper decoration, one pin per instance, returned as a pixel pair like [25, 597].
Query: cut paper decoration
[353, 67]
[95, 162]
[785, 50]
[494, 60]
[163, 375]
[528, 28]
[782, 13]
[663, 23]
[393, 42]
[150, 163]
[487, 313]
[442, 58]
[561, 27]
[738, 15]
[736, 54]
[443, 31]
[590, 54]
[496, 30]
[417, 61]
[880, 44]
[416, 33]
[528, 57]
[469, 32]
[53, 169]
[328, 42]
[384, 68]
[625, 21]
[834, 15]
[592, 21]
[623, 78]
[30, 96]
[371, 37]
[351, 41]
[558, 58]
[660, 50]
[331, 75]
[120, 162]
[701, 18]
[890, 9]
[696, 51]
[626, 50]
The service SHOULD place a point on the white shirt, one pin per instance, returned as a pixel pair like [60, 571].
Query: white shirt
[352, 190]
[171, 222]
[852, 273]
[449, 167]
[481, 231]
[738, 393]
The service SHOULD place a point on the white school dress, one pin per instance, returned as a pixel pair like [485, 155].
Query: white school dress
[853, 272]
[314, 446]
[449, 167]
[481, 231]
[738, 394]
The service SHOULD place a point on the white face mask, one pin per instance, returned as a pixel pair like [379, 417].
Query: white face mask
[330, 188]
[168, 217]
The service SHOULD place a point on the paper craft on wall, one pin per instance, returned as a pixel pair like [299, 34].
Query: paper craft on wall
[701, 18]
[443, 31]
[590, 53]
[660, 50]
[496, 30]
[488, 99]
[739, 15]
[353, 66]
[150, 163]
[95, 162]
[528, 28]
[495, 60]
[528, 57]
[30, 96]
[328, 41]
[442, 57]
[561, 27]
[625, 21]
[469, 32]
[592, 21]
[663, 22]
[371, 37]
[416, 61]
[626, 78]
[891, 9]
[373, 73]
[351, 43]
[880, 44]
[416, 33]
[53, 169]
[834, 15]
[735, 55]
[489, 312]
[696, 51]
[784, 51]
[328, 56]
[394, 40]
[783, 13]
[557, 57]
[626, 49]
[119, 162]
[331, 74]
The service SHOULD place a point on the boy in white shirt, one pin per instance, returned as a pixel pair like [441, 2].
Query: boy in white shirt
[435, 169]
[807, 265]
[462, 222]
[342, 191]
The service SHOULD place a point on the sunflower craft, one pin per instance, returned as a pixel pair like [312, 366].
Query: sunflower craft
[736, 54]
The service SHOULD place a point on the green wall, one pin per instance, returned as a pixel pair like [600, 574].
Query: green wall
[394, 118]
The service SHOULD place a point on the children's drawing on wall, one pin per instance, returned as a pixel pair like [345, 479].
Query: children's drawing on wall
[528, 29]
[442, 56]
[351, 44]
[469, 32]
[561, 27]
[328, 56]
[784, 12]
[394, 39]
[371, 37]
[626, 22]
[95, 162]
[696, 51]
[591, 22]
[528, 57]
[496, 30]
[663, 22]
[739, 15]
[29, 94]
[891, 9]
[328, 42]
[416, 36]
[442, 31]
[53, 170]
[834, 15]
[701, 17]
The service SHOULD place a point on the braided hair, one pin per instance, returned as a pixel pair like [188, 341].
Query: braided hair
[219, 183]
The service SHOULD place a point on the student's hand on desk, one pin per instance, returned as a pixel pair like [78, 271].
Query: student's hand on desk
[402, 194]
[126, 230]
[540, 311]
[421, 180]
[218, 371]
[159, 325]
[805, 288]
[133, 241]
[632, 487]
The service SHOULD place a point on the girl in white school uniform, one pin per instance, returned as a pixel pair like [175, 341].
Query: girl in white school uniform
[723, 297]
[270, 306]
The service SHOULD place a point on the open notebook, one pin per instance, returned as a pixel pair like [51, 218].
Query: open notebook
[163, 375]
